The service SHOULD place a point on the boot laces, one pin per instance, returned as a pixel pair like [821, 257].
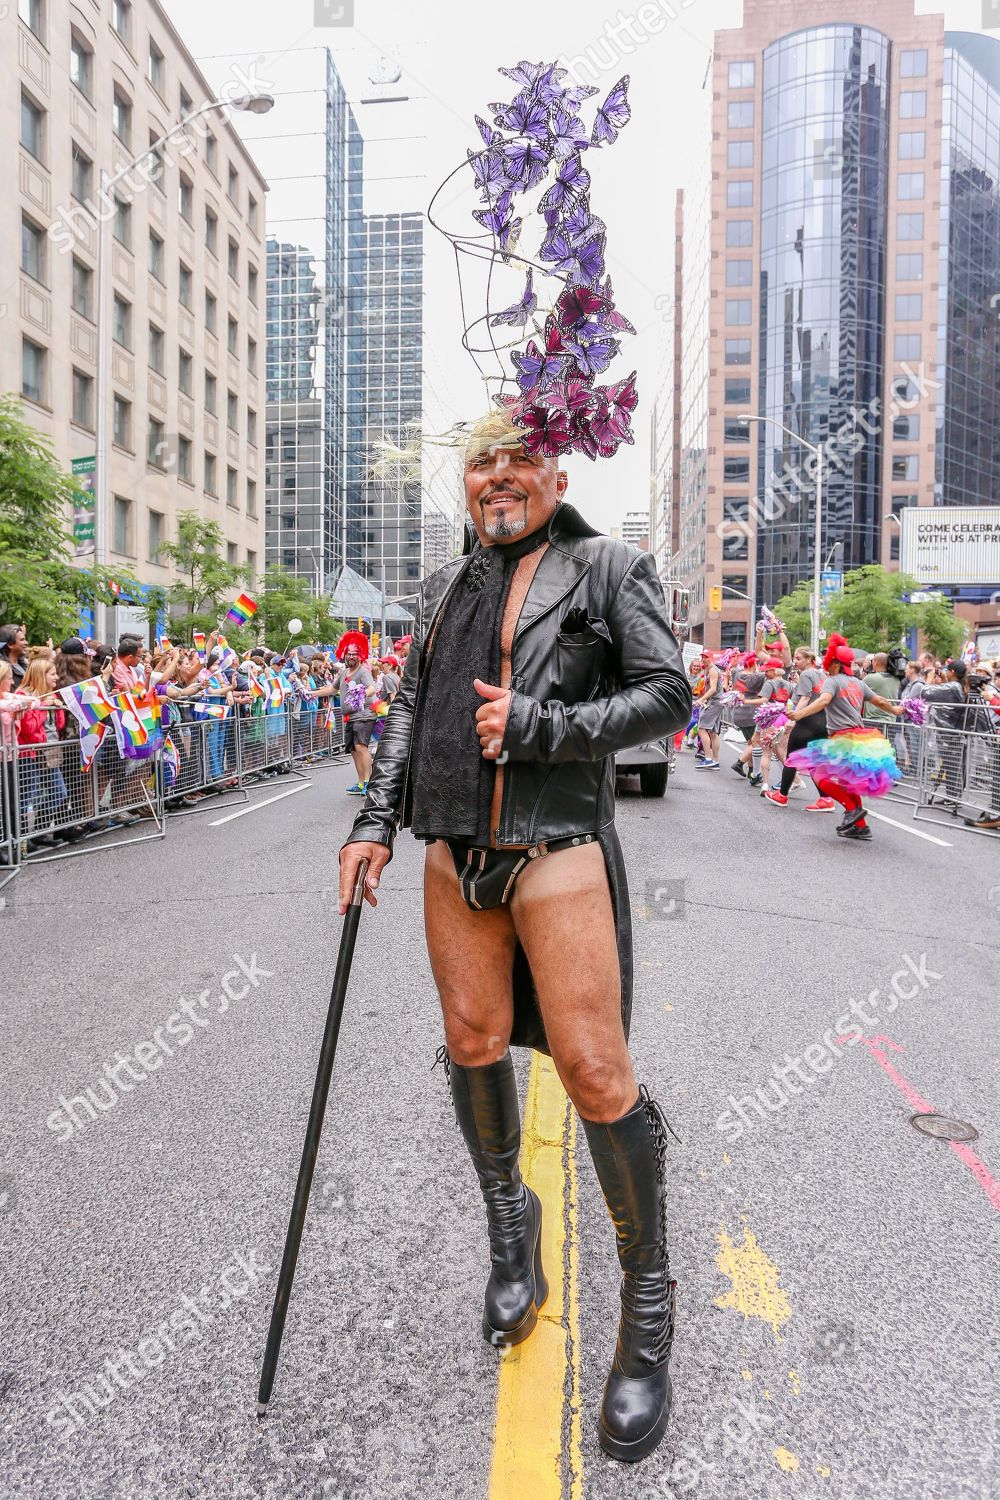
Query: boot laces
[441, 1056]
[661, 1284]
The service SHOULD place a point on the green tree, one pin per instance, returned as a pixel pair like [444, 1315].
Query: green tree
[871, 610]
[941, 632]
[287, 596]
[197, 597]
[793, 611]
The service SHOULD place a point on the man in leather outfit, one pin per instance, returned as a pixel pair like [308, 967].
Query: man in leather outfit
[536, 656]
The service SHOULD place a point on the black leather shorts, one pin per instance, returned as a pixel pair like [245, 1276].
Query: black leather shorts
[486, 876]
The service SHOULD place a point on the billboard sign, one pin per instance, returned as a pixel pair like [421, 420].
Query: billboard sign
[83, 506]
[951, 544]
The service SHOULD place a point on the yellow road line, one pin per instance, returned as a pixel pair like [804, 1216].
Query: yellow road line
[532, 1453]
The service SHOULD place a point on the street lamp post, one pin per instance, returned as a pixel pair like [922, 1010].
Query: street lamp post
[256, 104]
[818, 538]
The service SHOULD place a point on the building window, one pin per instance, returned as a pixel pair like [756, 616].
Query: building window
[83, 399]
[185, 199]
[210, 474]
[122, 423]
[740, 114]
[121, 117]
[739, 154]
[251, 427]
[252, 356]
[739, 272]
[739, 232]
[906, 468]
[910, 185]
[912, 104]
[121, 18]
[184, 286]
[909, 267]
[30, 12]
[155, 535]
[906, 429]
[233, 185]
[81, 174]
[735, 548]
[211, 388]
[211, 151]
[739, 311]
[156, 348]
[81, 65]
[155, 445]
[185, 103]
[32, 250]
[232, 411]
[913, 64]
[735, 431]
[233, 259]
[737, 391]
[121, 537]
[252, 284]
[737, 351]
[251, 564]
[231, 480]
[211, 230]
[252, 212]
[904, 391]
[31, 126]
[741, 75]
[33, 371]
[185, 367]
[122, 228]
[909, 226]
[739, 194]
[83, 289]
[906, 346]
[232, 335]
[155, 67]
[232, 555]
[155, 255]
[184, 459]
[909, 307]
[912, 145]
[210, 312]
[736, 470]
[121, 322]
[732, 634]
[251, 497]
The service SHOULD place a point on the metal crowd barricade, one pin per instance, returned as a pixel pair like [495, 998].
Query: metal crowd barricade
[960, 775]
[208, 751]
[55, 806]
[8, 796]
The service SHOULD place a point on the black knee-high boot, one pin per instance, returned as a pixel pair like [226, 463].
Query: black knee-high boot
[628, 1156]
[486, 1105]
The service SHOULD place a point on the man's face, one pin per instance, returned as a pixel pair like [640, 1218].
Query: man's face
[17, 645]
[509, 493]
[352, 660]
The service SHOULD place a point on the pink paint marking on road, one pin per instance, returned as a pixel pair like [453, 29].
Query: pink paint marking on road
[922, 1106]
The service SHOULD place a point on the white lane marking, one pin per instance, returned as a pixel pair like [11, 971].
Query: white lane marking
[918, 833]
[256, 806]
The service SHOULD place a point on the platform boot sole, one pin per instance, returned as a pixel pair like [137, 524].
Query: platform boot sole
[631, 1453]
[506, 1338]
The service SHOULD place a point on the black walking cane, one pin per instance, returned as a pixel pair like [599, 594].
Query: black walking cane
[310, 1149]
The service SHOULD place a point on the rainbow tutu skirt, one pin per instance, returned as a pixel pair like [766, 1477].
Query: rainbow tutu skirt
[858, 760]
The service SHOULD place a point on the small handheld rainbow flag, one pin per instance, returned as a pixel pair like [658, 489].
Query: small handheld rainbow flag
[198, 636]
[243, 611]
[257, 689]
[165, 643]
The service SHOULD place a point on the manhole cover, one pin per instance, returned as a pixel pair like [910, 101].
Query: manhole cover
[944, 1129]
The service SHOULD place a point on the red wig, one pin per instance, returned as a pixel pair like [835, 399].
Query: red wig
[838, 651]
[353, 638]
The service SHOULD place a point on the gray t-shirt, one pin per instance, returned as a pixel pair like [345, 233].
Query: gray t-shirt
[850, 694]
[777, 688]
[364, 677]
[808, 686]
[388, 686]
[751, 683]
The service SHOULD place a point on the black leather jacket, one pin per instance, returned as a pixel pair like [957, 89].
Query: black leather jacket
[576, 698]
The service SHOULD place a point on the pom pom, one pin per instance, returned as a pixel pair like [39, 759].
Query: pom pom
[915, 710]
[769, 622]
[355, 699]
[771, 716]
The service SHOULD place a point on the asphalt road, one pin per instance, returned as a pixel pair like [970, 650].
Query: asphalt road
[837, 1270]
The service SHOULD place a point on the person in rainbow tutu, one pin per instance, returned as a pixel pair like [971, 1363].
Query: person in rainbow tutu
[852, 762]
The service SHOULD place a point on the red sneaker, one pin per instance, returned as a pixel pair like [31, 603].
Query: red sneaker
[772, 796]
[822, 804]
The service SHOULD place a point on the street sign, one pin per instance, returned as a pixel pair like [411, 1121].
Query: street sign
[84, 540]
[830, 583]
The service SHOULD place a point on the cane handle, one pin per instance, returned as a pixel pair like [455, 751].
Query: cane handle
[358, 894]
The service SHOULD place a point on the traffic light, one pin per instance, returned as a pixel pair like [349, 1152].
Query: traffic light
[715, 599]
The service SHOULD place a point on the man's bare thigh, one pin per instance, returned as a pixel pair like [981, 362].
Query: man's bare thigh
[472, 956]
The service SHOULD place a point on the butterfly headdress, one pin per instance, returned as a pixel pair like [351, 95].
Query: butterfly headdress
[537, 143]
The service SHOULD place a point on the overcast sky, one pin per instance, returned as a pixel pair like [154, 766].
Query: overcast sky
[450, 52]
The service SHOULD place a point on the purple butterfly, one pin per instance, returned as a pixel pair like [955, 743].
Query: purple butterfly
[593, 358]
[490, 136]
[581, 224]
[524, 116]
[547, 88]
[583, 441]
[499, 220]
[535, 368]
[525, 162]
[547, 432]
[571, 180]
[573, 396]
[520, 312]
[568, 133]
[574, 97]
[489, 174]
[612, 115]
[577, 304]
[589, 262]
[526, 74]
[616, 321]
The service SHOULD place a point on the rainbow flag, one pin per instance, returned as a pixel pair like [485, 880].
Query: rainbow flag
[92, 706]
[207, 710]
[242, 611]
[198, 636]
[277, 683]
[165, 643]
[257, 688]
[330, 719]
[137, 724]
[171, 762]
